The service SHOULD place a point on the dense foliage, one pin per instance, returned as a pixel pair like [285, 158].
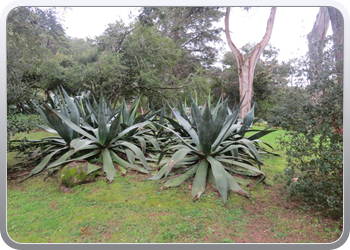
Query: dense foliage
[313, 116]
[18, 123]
[33, 35]
[163, 54]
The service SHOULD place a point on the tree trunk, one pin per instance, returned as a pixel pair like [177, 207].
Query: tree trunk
[318, 34]
[246, 65]
[315, 41]
[338, 39]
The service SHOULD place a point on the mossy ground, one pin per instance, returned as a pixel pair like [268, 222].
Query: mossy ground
[134, 210]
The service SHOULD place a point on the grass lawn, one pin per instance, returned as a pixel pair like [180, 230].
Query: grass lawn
[134, 210]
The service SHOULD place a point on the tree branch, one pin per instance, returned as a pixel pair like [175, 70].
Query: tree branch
[235, 51]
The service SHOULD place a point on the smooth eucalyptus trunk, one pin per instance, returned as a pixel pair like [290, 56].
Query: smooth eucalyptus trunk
[246, 65]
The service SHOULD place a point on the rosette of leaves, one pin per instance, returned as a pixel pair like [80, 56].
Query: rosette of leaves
[182, 111]
[57, 146]
[214, 149]
[108, 140]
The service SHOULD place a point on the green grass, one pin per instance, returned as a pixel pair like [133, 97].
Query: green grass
[134, 210]
[272, 164]
[40, 134]
[112, 212]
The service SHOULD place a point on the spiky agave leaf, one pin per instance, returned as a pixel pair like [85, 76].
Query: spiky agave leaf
[108, 166]
[205, 130]
[114, 141]
[177, 181]
[54, 121]
[200, 180]
[248, 120]
[220, 176]
[219, 117]
[102, 125]
[74, 111]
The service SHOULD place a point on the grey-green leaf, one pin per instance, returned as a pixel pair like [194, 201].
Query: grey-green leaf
[177, 181]
[220, 176]
[200, 180]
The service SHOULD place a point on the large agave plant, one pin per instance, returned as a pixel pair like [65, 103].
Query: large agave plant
[57, 146]
[214, 149]
[79, 140]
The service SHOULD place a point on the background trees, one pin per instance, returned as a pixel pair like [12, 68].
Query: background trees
[33, 35]
[313, 115]
[314, 141]
[269, 76]
[195, 32]
[164, 53]
[137, 60]
[193, 29]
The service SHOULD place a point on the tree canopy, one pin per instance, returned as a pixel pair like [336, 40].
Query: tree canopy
[163, 54]
[33, 36]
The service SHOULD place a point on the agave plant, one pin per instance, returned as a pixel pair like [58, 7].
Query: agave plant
[213, 150]
[58, 145]
[79, 140]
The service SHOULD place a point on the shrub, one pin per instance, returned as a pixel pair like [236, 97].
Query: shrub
[17, 123]
[313, 116]
[315, 169]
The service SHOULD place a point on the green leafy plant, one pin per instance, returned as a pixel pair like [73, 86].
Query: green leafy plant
[17, 123]
[213, 148]
[312, 114]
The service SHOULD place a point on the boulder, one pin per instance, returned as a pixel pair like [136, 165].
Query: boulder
[76, 173]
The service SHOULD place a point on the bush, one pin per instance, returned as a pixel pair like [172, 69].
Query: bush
[262, 125]
[17, 123]
[315, 170]
[313, 116]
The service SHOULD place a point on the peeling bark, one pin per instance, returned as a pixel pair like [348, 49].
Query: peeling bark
[246, 65]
